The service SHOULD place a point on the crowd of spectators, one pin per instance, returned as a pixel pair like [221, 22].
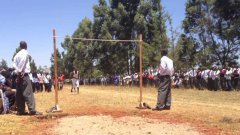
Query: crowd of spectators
[213, 78]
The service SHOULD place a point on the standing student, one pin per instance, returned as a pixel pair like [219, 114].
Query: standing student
[75, 77]
[61, 81]
[24, 92]
[166, 71]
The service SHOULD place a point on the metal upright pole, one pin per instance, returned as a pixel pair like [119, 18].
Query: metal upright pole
[140, 66]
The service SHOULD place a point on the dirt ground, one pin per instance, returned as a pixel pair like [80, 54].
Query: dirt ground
[93, 120]
[97, 113]
[128, 125]
[112, 111]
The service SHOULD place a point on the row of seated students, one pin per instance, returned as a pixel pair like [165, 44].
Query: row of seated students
[7, 91]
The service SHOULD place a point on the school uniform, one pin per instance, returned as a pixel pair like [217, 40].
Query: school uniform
[166, 71]
[24, 92]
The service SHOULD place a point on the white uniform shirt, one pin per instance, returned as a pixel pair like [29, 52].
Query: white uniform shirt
[166, 66]
[49, 77]
[30, 76]
[204, 73]
[228, 74]
[214, 74]
[45, 80]
[21, 62]
[192, 73]
[238, 69]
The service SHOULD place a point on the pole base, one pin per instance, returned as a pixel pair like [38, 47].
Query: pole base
[143, 106]
[54, 109]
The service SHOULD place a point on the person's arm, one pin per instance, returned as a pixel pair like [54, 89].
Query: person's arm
[15, 64]
[6, 88]
[25, 61]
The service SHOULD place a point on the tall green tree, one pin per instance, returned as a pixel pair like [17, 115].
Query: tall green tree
[101, 30]
[33, 65]
[186, 55]
[60, 65]
[151, 21]
[118, 20]
[85, 52]
[123, 13]
[3, 64]
[80, 53]
[212, 29]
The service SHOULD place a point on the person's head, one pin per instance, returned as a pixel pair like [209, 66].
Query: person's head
[74, 68]
[23, 45]
[164, 52]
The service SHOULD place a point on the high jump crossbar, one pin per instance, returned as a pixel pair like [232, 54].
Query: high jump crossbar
[102, 40]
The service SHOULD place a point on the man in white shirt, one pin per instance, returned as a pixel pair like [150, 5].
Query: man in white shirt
[75, 77]
[192, 77]
[204, 76]
[215, 78]
[166, 71]
[24, 92]
[228, 78]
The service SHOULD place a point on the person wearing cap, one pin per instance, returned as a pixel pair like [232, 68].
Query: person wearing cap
[24, 92]
[166, 71]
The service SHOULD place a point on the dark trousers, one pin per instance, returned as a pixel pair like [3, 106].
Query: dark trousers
[164, 92]
[192, 82]
[223, 83]
[11, 97]
[199, 83]
[41, 87]
[235, 82]
[24, 95]
[215, 84]
[229, 84]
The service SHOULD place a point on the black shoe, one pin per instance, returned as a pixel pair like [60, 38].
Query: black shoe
[167, 107]
[22, 113]
[157, 109]
[35, 113]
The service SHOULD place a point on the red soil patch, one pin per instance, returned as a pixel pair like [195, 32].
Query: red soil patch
[49, 121]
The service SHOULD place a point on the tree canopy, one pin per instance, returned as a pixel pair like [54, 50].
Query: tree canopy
[116, 20]
[210, 36]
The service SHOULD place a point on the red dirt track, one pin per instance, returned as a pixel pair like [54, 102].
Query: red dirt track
[47, 122]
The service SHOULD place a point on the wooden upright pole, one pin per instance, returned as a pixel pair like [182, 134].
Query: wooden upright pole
[56, 108]
[140, 66]
[55, 67]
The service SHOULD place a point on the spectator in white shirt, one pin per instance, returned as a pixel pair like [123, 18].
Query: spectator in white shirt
[228, 78]
[24, 92]
[166, 71]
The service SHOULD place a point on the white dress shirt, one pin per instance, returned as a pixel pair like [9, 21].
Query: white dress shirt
[21, 62]
[166, 66]
[214, 74]
[228, 74]
[192, 73]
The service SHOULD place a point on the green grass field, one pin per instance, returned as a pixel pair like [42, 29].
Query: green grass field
[217, 109]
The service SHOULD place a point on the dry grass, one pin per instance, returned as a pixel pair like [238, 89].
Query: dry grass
[217, 109]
